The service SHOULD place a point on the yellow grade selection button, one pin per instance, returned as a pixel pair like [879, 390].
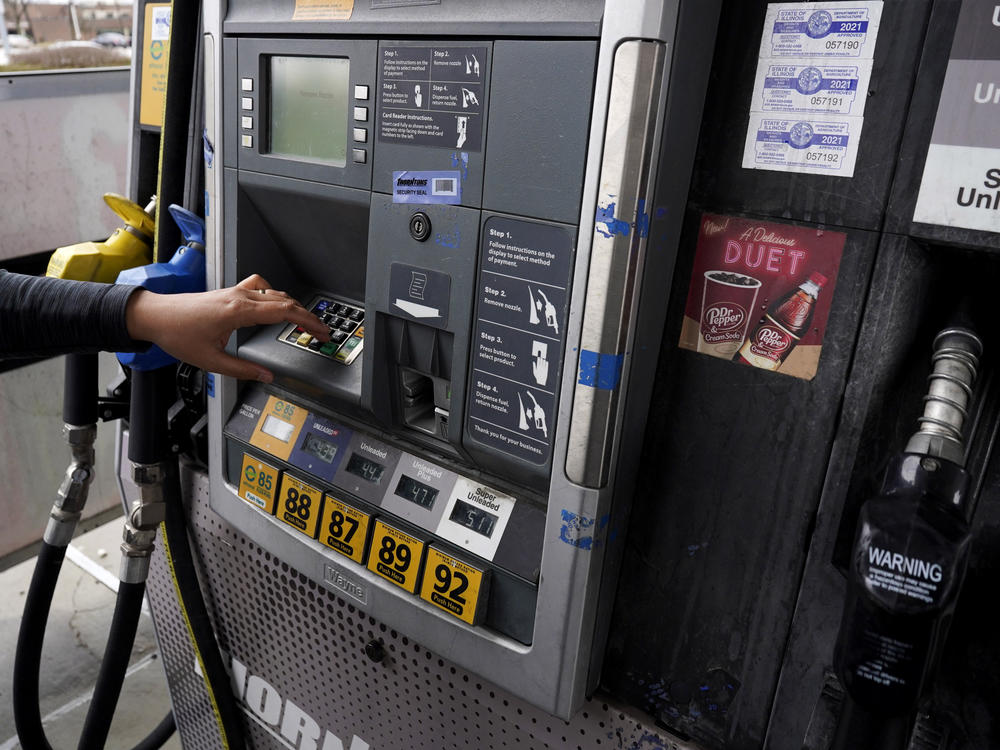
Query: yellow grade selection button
[454, 586]
[258, 483]
[395, 556]
[344, 529]
[299, 505]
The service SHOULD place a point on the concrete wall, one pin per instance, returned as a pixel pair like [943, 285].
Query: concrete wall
[63, 144]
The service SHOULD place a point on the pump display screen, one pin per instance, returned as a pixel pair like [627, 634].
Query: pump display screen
[473, 518]
[277, 428]
[365, 468]
[322, 449]
[308, 108]
[412, 490]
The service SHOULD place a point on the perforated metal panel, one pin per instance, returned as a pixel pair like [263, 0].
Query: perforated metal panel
[308, 682]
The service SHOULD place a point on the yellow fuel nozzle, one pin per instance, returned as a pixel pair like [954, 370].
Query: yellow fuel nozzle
[129, 246]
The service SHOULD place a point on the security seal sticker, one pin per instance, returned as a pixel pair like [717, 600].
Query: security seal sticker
[454, 586]
[258, 483]
[811, 86]
[299, 505]
[427, 187]
[842, 29]
[396, 556]
[344, 529]
[813, 145]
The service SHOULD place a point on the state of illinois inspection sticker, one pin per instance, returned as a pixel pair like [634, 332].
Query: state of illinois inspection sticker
[821, 29]
[811, 86]
[825, 144]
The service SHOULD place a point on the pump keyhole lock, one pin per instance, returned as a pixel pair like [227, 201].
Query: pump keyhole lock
[375, 651]
[420, 226]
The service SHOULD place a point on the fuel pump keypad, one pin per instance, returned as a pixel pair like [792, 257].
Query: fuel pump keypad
[346, 325]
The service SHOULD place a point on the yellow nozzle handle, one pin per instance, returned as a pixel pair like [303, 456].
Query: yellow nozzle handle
[131, 213]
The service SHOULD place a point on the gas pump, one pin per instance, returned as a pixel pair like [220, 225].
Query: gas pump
[482, 204]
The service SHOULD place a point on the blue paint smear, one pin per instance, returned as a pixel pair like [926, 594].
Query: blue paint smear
[451, 240]
[581, 531]
[642, 220]
[606, 216]
[461, 160]
[598, 370]
[210, 384]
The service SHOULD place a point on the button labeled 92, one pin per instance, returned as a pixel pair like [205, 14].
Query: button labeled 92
[396, 556]
[298, 505]
[454, 586]
[344, 529]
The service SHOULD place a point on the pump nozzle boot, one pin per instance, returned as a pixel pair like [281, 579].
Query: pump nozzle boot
[910, 554]
[184, 272]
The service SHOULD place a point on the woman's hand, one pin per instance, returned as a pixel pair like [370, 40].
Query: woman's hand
[195, 328]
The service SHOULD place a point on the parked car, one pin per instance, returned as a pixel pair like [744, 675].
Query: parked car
[20, 41]
[113, 39]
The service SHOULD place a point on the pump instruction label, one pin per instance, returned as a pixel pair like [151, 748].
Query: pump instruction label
[432, 95]
[519, 335]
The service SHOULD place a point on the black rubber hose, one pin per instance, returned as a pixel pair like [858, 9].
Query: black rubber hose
[160, 734]
[124, 623]
[80, 389]
[181, 559]
[28, 657]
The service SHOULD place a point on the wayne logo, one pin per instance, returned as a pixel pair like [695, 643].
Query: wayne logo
[281, 718]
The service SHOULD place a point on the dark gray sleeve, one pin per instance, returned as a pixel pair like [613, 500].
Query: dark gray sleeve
[40, 316]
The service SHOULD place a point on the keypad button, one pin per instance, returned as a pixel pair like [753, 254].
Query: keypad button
[315, 344]
[246, 123]
[360, 135]
[348, 325]
[360, 92]
[246, 102]
[338, 337]
[247, 141]
[329, 348]
[357, 315]
[246, 84]
[361, 114]
[304, 339]
[359, 155]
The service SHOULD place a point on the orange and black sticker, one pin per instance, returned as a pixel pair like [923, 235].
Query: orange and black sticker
[454, 586]
[344, 529]
[396, 556]
[299, 505]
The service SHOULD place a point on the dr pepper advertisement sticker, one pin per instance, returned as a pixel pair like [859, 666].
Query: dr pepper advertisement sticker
[760, 293]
